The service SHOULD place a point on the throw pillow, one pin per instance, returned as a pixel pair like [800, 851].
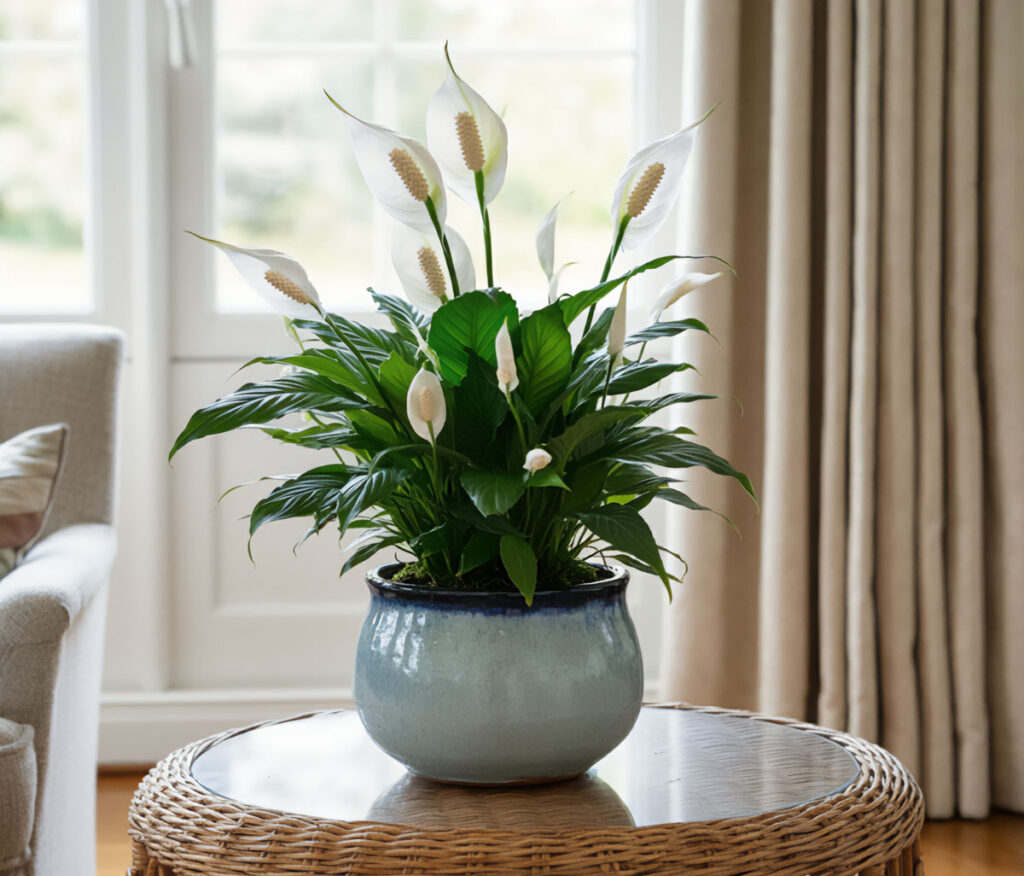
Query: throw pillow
[30, 464]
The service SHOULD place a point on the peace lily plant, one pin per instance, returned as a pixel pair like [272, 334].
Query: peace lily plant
[496, 448]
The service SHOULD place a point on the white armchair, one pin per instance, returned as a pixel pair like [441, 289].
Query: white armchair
[53, 605]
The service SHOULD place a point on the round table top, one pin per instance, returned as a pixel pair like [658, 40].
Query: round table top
[675, 766]
[691, 788]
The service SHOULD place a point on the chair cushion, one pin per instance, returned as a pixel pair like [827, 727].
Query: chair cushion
[17, 793]
[30, 464]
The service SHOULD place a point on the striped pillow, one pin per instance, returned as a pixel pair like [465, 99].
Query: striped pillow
[30, 464]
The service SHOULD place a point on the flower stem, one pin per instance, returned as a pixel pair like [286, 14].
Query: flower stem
[614, 251]
[432, 212]
[515, 416]
[486, 217]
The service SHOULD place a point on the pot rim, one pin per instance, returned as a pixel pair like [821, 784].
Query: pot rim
[613, 585]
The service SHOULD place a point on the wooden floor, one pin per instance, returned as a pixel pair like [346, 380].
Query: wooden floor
[950, 848]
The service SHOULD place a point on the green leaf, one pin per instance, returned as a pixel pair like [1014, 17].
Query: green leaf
[366, 551]
[663, 448]
[625, 530]
[521, 564]
[316, 437]
[573, 305]
[262, 402]
[338, 365]
[640, 375]
[597, 337]
[469, 323]
[678, 497]
[431, 542]
[665, 330]
[311, 494]
[632, 477]
[546, 477]
[373, 344]
[492, 492]
[482, 547]
[653, 405]
[594, 423]
[479, 409]
[374, 430]
[395, 376]
[546, 360]
[365, 491]
[586, 485]
[409, 323]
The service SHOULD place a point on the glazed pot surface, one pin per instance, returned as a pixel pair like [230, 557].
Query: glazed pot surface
[479, 688]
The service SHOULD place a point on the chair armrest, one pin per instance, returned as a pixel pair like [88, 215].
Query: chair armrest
[57, 579]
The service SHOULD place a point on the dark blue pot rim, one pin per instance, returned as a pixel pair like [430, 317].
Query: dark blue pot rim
[607, 588]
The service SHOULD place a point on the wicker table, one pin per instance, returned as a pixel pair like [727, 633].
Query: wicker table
[691, 789]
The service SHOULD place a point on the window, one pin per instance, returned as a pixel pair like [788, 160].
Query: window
[44, 158]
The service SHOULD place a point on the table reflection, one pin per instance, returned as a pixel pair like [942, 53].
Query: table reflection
[576, 804]
[675, 766]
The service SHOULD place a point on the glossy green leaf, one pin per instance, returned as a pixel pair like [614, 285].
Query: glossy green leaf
[521, 564]
[664, 448]
[640, 375]
[395, 376]
[665, 330]
[480, 548]
[365, 491]
[469, 323]
[367, 551]
[546, 360]
[317, 437]
[546, 477]
[562, 446]
[625, 530]
[597, 337]
[311, 494]
[479, 409]
[408, 322]
[262, 402]
[373, 344]
[492, 492]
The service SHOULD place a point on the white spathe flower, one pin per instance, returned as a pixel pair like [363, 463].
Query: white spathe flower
[508, 376]
[537, 459]
[424, 405]
[649, 185]
[678, 288]
[617, 327]
[419, 263]
[466, 136]
[279, 279]
[546, 241]
[400, 172]
[546, 251]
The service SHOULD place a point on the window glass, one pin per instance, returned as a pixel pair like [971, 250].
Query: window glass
[43, 142]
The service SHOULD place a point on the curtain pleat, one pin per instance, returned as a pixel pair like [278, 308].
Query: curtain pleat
[836, 390]
[1002, 358]
[784, 600]
[964, 535]
[865, 175]
[895, 480]
[862, 653]
[933, 653]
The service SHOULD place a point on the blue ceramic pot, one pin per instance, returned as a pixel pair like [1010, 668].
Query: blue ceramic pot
[479, 688]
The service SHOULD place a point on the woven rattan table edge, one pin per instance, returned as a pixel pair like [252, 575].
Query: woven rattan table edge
[179, 827]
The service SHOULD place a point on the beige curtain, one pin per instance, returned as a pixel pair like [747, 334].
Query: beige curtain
[865, 174]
